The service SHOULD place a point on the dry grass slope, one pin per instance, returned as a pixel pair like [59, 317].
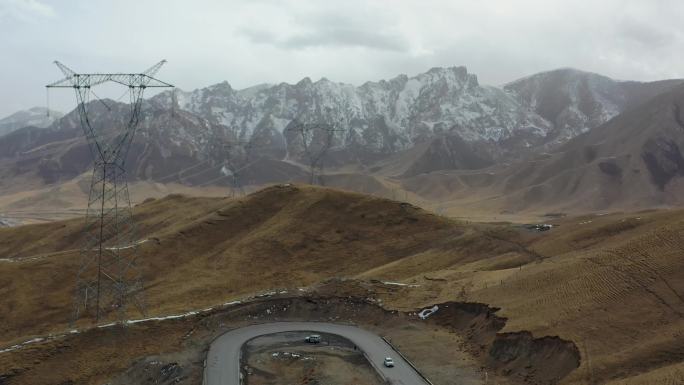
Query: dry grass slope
[204, 251]
[613, 284]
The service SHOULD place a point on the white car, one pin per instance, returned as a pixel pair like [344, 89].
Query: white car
[389, 362]
[313, 339]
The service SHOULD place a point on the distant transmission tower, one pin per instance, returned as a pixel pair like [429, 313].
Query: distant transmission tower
[315, 139]
[108, 279]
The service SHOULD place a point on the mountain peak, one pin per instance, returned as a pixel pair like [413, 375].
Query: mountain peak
[224, 85]
[306, 81]
[452, 75]
[455, 69]
[563, 72]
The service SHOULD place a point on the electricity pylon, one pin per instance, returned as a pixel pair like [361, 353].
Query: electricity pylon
[108, 279]
[315, 139]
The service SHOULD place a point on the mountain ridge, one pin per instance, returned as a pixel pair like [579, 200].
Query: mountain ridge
[576, 101]
[442, 119]
[407, 105]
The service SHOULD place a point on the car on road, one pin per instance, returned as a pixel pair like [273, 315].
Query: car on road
[313, 339]
[389, 362]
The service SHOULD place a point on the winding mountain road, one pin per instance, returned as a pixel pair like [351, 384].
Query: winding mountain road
[223, 359]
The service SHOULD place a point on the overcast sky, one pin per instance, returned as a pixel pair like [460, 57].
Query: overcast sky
[352, 41]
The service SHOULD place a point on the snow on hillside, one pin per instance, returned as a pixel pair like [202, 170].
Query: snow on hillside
[576, 101]
[384, 116]
[35, 117]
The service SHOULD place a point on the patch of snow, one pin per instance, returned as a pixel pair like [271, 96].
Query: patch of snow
[168, 317]
[289, 354]
[425, 313]
[106, 325]
[279, 124]
[128, 246]
[76, 331]
[13, 347]
[267, 294]
[31, 341]
[225, 171]
[127, 322]
[399, 284]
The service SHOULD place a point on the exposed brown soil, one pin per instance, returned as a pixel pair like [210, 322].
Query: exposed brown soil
[518, 355]
[544, 360]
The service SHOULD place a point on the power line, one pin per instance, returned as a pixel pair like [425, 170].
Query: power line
[223, 176]
[177, 173]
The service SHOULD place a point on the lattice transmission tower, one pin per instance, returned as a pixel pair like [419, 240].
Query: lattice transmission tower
[108, 279]
[315, 139]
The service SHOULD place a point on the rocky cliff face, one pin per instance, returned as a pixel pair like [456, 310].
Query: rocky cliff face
[381, 117]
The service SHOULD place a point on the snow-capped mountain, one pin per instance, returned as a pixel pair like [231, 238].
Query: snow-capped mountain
[576, 101]
[36, 117]
[381, 117]
[441, 119]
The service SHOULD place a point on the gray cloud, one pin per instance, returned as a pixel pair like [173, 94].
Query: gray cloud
[322, 28]
[330, 37]
[646, 35]
[25, 10]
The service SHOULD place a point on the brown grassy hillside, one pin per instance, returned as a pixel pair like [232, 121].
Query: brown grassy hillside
[204, 251]
[612, 284]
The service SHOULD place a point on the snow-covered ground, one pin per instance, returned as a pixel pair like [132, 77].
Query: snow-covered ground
[140, 242]
[150, 319]
[399, 284]
[425, 313]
